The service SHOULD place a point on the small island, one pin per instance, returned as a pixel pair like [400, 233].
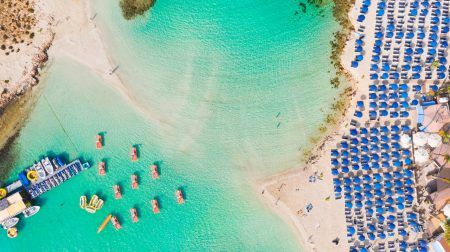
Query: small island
[133, 8]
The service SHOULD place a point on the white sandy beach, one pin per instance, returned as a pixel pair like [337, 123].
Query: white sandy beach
[325, 222]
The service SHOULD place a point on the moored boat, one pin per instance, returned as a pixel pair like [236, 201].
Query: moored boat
[134, 156]
[134, 216]
[117, 192]
[104, 223]
[180, 197]
[99, 142]
[11, 222]
[116, 223]
[134, 181]
[155, 206]
[154, 171]
[83, 201]
[101, 168]
[32, 210]
[40, 170]
[47, 165]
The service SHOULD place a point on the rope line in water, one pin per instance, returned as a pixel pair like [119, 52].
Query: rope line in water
[59, 122]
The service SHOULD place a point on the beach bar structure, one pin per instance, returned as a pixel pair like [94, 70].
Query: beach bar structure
[13, 205]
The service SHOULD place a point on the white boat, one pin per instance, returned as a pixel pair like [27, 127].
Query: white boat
[32, 210]
[47, 165]
[11, 222]
[40, 170]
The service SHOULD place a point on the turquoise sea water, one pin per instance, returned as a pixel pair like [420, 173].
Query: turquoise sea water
[209, 78]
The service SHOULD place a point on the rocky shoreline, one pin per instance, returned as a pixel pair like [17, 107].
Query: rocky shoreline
[24, 50]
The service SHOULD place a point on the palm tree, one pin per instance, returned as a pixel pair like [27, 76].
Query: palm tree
[447, 231]
[445, 136]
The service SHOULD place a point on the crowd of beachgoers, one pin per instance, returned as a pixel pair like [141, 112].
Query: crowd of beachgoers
[383, 173]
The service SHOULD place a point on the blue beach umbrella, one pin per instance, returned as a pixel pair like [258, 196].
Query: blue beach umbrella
[361, 238]
[334, 153]
[379, 202]
[390, 200]
[371, 227]
[358, 204]
[347, 181]
[345, 162]
[356, 180]
[369, 204]
[336, 182]
[334, 162]
[334, 172]
[363, 131]
[354, 64]
[407, 173]
[380, 210]
[355, 167]
[391, 226]
[374, 148]
[351, 230]
[409, 198]
[344, 145]
[348, 205]
[344, 153]
[361, 18]
[348, 196]
[382, 235]
[409, 182]
[400, 206]
[408, 161]
[365, 167]
[377, 177]
[400, 200]
[378, 193]
[403, 233]
[369, 211]
[345, 169]
[388, 184]
[375, 165]
[409, 190]
[397, 175]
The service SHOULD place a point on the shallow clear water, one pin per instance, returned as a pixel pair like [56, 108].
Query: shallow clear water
[211, 77]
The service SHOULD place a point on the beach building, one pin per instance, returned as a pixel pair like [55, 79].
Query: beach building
[13, 205]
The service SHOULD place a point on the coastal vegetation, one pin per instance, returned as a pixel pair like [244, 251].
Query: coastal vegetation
[339, 107]
[16, 24]
[340, 12]
[447, 231]
[134, 8]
